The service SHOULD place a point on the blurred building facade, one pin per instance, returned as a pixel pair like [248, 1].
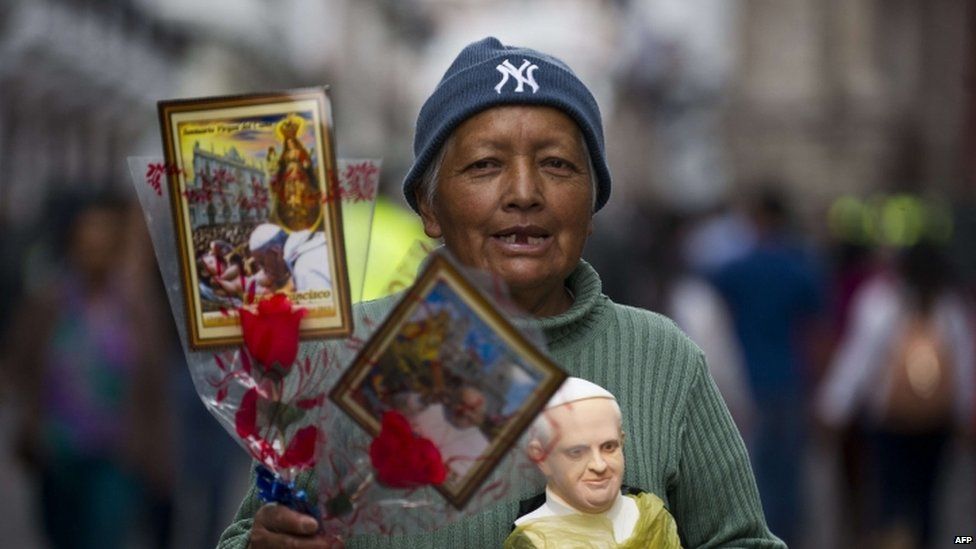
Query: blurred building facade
[827, 94]
[852, 96]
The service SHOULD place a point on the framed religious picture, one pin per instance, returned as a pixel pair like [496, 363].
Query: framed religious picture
[253, 194]
[457, 369]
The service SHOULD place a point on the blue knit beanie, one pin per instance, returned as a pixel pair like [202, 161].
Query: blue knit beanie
[487, 74]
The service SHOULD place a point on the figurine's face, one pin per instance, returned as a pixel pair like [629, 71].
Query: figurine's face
[584, 464]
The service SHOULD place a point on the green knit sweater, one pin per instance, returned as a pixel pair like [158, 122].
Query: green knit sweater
[682, 444]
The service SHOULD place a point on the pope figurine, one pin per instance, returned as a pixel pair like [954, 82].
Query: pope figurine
[577, 443]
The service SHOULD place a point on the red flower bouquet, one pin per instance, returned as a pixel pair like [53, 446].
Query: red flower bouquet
[276, 418]
[268, 392]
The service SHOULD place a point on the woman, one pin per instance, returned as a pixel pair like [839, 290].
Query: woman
[509, 169]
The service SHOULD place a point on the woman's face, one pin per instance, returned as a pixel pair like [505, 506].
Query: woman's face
[514, 196]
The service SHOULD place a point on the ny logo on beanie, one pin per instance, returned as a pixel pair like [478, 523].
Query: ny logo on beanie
[522, 76]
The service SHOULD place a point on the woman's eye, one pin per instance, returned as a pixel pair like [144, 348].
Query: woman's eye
[560, 165]
[483, 164]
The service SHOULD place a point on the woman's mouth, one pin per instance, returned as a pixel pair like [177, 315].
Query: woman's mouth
[523, 239]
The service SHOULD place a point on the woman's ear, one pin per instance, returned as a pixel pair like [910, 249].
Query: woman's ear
[432, 226]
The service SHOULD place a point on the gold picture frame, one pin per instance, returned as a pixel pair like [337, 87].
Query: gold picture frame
[461, 373]
[254, 198]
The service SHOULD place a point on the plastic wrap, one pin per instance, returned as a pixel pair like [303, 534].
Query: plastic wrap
[272, 410]
[276, 412]
[352, 498]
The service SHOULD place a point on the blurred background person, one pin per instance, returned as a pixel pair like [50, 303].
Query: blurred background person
[772, 291]
[666, 281]
[94, 421]
[904, 369]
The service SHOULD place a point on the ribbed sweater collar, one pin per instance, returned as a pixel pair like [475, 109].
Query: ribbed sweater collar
[564, 328]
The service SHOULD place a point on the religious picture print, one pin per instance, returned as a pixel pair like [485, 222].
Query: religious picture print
[454, 367]
[254, 200]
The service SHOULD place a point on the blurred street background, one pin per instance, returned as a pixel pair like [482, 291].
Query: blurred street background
[794, 184]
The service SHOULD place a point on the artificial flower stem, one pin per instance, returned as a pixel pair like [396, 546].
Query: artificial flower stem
[367, 482]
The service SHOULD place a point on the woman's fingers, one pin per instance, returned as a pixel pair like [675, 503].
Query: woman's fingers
[276, 526]
[279, 518]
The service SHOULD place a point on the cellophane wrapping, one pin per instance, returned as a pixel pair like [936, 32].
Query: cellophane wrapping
[284, 420]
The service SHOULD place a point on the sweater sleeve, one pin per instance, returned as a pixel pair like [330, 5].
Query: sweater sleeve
[713, 494]
[238, 534]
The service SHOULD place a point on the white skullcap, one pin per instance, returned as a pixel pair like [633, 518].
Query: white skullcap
[574, 389]
[262, 235]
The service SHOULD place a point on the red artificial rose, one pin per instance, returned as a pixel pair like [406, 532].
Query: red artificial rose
[271, 335]
[402, 458]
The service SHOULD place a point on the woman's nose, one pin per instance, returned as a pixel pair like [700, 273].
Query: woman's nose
[525, 187]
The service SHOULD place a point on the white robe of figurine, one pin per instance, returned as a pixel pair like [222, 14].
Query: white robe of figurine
[623, 514]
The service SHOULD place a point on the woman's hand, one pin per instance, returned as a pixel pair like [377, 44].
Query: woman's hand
[276, 526]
